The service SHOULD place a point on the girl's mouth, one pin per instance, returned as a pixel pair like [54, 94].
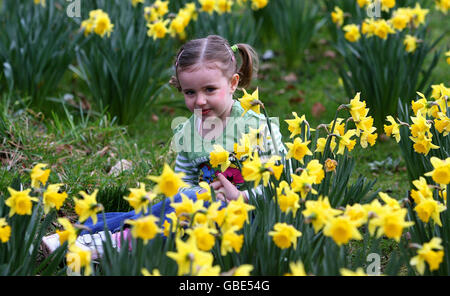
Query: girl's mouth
[205, 111]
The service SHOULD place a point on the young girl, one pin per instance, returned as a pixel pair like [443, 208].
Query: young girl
[207, 74]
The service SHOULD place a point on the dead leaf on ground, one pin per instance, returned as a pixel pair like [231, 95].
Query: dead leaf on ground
[103, 151]
[296, 100]
[290, 86]
[329, 54]
[291, 77]
[317, 109]
[383, 138]
[266, 66]
[64, 147]
[155, 118]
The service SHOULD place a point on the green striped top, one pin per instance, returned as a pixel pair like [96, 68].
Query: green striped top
[193, 150]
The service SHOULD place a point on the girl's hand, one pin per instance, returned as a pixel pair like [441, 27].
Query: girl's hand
[228, 191]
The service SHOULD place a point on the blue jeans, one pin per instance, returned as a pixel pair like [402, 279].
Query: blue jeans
[115, 220]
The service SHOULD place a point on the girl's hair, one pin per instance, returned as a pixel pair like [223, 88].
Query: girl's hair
[214, 48]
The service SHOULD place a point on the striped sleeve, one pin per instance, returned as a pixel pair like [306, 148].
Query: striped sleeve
[191, 173]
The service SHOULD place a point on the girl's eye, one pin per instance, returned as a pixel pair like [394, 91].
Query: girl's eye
[210, 89]
[189, 92]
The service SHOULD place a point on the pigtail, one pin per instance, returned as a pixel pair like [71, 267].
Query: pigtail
[249, 66]
[174, 79]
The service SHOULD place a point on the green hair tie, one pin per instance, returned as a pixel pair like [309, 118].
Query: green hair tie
[234, 48]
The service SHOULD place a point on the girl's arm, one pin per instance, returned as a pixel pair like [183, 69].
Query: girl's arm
[182, 164]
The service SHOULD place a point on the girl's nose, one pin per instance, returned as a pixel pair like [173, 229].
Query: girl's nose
[201, 100]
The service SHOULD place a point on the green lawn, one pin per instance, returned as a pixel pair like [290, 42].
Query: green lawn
[82, 150]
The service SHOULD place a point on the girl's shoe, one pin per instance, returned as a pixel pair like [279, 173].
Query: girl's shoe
[89, 242]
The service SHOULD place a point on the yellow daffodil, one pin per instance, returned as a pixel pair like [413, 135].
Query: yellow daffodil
[382, 29]
[224, 6]
[429, 208]
[204, 237]
[357, 214]
[387, 4]
[368, 137]
[399, 21]
[442, 123]
[144, 228]
[236, 213]
[231, 241]
[442, 5]
[345, 141]
[315, 168]
[431, 252]
[339, 126]
[103, 25]
[352, 32]
[347, 272]
[41, 2]
[158, 29]
[297, 269]
[288, 200]
[363, 3]
[52, 198]
[392, 203]
[39, 175]
[368, 27]
[69, 233]
[303, 184]
[78, 258]
[319, 212]
[341, 229]
[20, 202]
[285, 235]
[259, 4]
[243, 270]
[441, 170]
[207, 5]
[88, 206]
[295, 125]
[208, 270]
[188, 257]
[337, 16]
[187, 207]
[135, 2]
[357, 108]
[162, 7]
[410, 43]
[5, 231]
[321, 143]
[139, 198]
[392, 129]
[423, 191]
[298, 149]
[170, 225]
[250, 102]
[155, 272]
[169, 182]
[392, 224]
[419, 15]
[423, 144]
[244, 148]
[219, 156]
[330, 165]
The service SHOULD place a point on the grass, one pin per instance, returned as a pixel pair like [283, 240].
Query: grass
[81, 147]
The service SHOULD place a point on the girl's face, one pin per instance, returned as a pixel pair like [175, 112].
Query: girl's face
[207, 91]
